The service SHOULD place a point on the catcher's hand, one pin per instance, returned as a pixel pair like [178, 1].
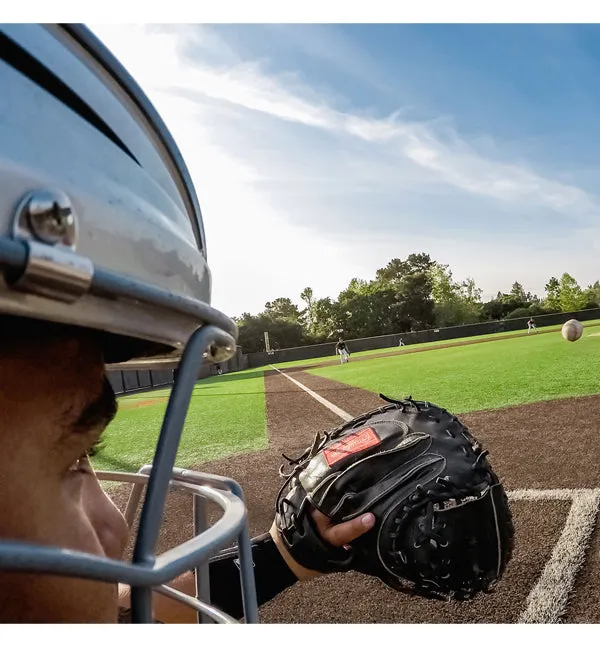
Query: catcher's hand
[443, 526]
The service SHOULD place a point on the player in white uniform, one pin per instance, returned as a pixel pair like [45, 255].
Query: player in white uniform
[342, 349]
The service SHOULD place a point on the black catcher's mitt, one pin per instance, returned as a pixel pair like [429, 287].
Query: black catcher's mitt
[443, 526]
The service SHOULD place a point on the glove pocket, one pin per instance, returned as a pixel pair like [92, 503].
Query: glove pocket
[451, 551]
[368, 482]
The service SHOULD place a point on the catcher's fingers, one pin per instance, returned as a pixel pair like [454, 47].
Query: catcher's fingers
[342, 534]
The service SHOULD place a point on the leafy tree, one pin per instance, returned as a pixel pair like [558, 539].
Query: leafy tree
[325, 322]
[537, 309]
[446, 295]
[413, 293]
[396, 269]
[470, 295]
[471, 291]
[320, 317]
[414, 306]
[282, 333]
[552, 300]
[409, 279]
[493, 310]
[365, 309]
[518, 293]
[519, 312]
[505, 303]
[571, 297]
[455, 302]
[283, 308]
[592, 295]
[419, 263]
[308, 313]
[307, 296]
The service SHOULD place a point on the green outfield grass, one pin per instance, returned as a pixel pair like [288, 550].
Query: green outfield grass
[226, 416]
[419, 346]
[227, 413]
[513, 371]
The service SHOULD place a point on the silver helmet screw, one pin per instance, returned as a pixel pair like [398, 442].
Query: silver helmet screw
[48, 216]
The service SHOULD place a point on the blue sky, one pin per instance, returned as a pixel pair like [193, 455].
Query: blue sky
[319, 152]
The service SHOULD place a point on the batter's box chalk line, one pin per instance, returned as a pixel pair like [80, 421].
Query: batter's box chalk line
[547, 602]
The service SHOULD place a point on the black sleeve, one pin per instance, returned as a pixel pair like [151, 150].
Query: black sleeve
[271, 573]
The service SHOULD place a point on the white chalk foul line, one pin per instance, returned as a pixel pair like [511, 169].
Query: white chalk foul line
[547, 601]
[560, 494]
[332, 407]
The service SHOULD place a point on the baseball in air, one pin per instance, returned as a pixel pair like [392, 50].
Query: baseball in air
[572, 330]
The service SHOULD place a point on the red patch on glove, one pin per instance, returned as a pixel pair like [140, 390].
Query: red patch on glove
[351, 444]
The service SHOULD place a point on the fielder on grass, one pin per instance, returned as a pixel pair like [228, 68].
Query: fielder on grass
[342, 349]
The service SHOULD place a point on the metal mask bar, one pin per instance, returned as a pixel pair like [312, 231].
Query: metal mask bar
[164, 459]
[202, 571]
[32, 558]
[247, 581]
[248, 585]
[205, 611]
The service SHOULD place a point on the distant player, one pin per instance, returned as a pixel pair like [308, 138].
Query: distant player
[219, 369]
[342, 349]
[531, 325]
[401, 342]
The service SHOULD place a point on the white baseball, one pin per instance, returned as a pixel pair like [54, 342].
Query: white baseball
[572, 330]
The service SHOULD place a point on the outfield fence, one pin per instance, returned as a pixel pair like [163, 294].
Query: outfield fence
[148, 375]
[257, 359]
[133, 381]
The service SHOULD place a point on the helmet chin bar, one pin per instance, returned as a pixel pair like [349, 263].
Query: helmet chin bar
[164, 461]
[225, 493]
[148, 571]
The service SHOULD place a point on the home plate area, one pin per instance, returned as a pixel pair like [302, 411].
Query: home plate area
[554, 530]
[547, 455]
[547, 601]
[554, 575]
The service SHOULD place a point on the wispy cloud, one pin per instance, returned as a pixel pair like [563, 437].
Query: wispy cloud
[279, 164]
[454, 163]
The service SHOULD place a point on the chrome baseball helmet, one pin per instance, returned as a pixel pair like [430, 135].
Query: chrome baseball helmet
[100, 228]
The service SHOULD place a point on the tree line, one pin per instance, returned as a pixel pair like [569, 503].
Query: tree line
[405, 295]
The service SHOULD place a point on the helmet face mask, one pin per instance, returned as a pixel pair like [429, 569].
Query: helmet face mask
[149, 571]
[100, 229]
